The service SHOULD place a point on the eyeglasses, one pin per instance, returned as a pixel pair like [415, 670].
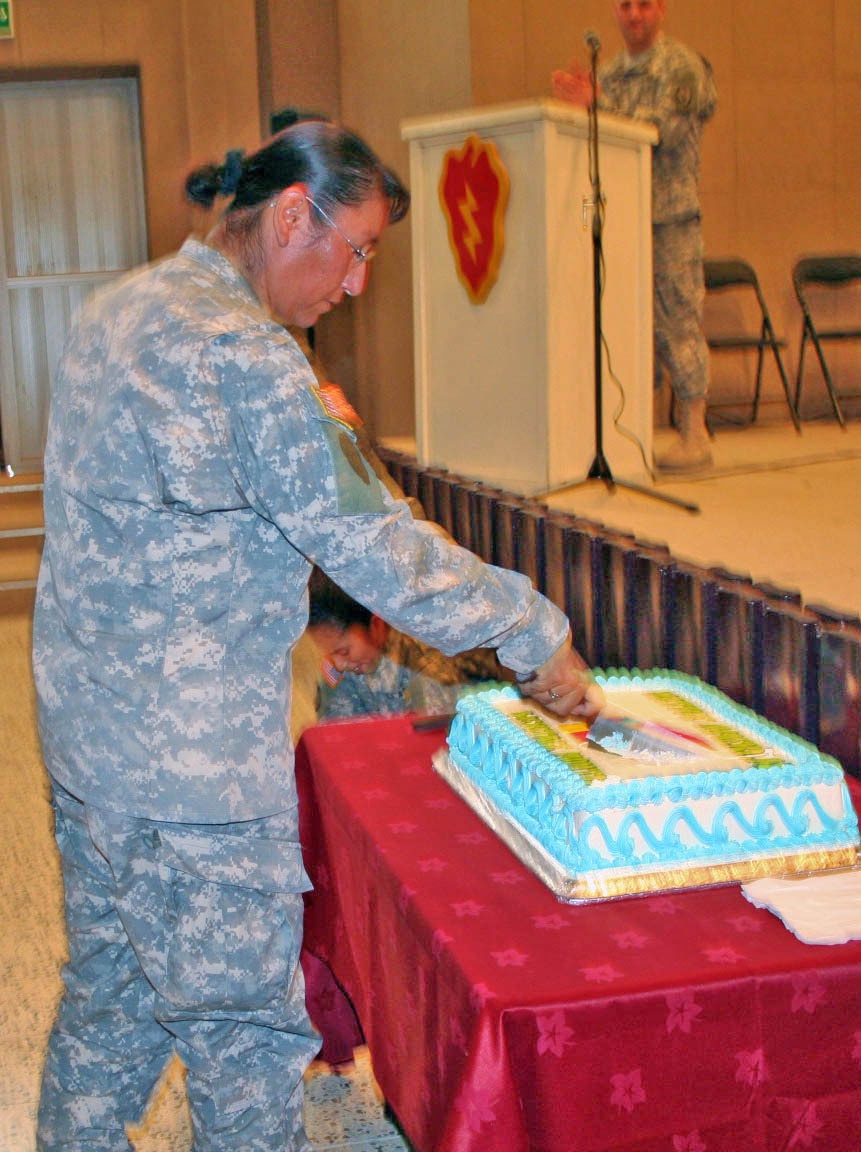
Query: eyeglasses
[359, 254]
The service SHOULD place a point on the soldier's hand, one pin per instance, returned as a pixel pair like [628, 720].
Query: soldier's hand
[565, 686]
[573, 86]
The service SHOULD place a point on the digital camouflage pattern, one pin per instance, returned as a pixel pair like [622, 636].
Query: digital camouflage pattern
[673, 88]
[185, 939]
[679, 291]
[191, 480]
[410, 677]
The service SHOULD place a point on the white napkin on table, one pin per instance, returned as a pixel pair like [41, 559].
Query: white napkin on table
[820, 909]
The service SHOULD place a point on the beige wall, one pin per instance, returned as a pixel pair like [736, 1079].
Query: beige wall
[197, 61]
[299, 39]
[781, 168]
[781, 160]
[301, 69]
[397, 60]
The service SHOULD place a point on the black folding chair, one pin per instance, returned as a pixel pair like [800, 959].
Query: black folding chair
[837, 272]
[738, 275]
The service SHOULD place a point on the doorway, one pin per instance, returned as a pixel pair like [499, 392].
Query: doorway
[71, 217]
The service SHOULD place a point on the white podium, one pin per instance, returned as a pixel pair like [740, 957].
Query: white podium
[505, 390]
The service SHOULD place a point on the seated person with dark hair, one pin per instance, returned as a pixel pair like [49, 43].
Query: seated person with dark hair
[370, 668]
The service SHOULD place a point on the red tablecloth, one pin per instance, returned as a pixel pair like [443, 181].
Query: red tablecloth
[502, 1020]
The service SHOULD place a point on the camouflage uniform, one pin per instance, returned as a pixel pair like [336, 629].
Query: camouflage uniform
[410, 677]
[192, 474]
[673, 88]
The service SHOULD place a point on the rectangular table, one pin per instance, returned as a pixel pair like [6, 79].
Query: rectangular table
[502, 1020]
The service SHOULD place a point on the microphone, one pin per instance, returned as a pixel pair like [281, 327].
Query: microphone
[593, 41]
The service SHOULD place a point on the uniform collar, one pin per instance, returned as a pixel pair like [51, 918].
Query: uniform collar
[217, 263]
[642, 59]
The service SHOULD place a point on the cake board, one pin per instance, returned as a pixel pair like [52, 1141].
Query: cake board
[571, 889]
[673, 786]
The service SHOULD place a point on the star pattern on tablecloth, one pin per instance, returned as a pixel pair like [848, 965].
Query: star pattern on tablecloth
[628, 1090]
[402, 827]
[467, 908]
[664, 906]
[808, 992]
[745, 923]
[510, 958]
[751, 1068]
[476, 1107]
[479, 995]
[683, 1010]
[554, 1035]
[630, 939]
[439, 940]
[806, 1124]
[389, 744]
[601, 974]
[553, 922]
[692, 1142]
[725, 954]
[413, 769]
[509, 877]
[471, 838]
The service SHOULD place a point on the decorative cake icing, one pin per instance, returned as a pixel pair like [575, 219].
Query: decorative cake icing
[674, 786]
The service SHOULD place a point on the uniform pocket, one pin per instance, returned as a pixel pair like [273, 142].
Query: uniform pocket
[230, 948]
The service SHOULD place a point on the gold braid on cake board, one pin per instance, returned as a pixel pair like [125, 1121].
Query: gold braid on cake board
[633, 883]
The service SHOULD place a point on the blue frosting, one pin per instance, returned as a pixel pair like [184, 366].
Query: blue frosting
[568, 815]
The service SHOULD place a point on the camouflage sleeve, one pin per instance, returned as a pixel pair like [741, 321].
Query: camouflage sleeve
[475, 664]
[424, 694]
[423, 660]
[346, 699]
[302, 469]
[688, 93]
[679, 88]
[380, 692]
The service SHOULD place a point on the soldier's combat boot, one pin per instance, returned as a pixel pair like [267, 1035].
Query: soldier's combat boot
[691, 452]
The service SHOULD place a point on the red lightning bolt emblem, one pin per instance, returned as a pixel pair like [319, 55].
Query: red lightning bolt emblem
[473, 192]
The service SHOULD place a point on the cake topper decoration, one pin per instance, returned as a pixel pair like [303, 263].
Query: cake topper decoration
[643, 739]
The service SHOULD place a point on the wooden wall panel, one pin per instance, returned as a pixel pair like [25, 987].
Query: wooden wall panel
[198, 67]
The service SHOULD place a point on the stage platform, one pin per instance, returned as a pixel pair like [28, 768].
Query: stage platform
[778, 507]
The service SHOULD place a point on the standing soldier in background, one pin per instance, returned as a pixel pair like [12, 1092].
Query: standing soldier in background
[660, 81]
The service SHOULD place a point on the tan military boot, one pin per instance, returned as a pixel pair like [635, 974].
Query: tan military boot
[691, 452]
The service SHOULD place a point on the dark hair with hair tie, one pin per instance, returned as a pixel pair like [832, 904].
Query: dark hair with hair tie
[337, 167]
[231, 172]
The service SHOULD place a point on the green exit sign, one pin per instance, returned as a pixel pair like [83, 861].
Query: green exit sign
[6, 30]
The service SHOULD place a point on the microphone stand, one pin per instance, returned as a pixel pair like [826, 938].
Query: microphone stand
[600, 468]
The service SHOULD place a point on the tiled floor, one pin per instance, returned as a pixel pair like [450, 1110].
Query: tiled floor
[343, 1110]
